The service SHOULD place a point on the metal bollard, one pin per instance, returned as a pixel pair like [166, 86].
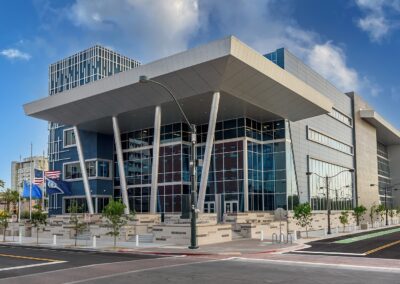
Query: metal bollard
[294, 235]
[94, 241]
[20, 236]
[54, 240]
[137, 240]
[262, 235]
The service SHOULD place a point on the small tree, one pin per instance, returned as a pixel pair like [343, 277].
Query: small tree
[372, 211]
[39, 219]
[391, 213]
[344, 219]
[302, 213]
[78, 226]
[358, 212]
[380, 210]
[114, 213]
[4, 215]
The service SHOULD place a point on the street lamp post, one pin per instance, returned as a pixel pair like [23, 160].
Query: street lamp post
[328, 202]
[193, 176]
[386, 207]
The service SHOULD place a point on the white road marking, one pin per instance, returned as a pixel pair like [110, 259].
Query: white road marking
[77, 267]
[31, 265]
[322, 264]
[146, 269]
[329, 253]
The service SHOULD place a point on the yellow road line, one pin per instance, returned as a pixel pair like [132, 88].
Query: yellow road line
[28, 257]
[382, 247]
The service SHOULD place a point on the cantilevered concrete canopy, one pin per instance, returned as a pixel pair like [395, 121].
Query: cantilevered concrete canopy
[249, 85]
[386, 132]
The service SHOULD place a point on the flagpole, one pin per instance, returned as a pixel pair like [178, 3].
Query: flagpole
[44, 184]
[19, 192]
[30, 188]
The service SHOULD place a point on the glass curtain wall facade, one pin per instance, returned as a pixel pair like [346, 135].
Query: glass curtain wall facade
[340, 187]
[86, 66]
[384, 175]
[267, 152]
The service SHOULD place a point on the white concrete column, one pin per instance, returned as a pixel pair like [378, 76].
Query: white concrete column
[120, 162]
[245, 176]
[207, 153]
[156, 151]
[82, 163]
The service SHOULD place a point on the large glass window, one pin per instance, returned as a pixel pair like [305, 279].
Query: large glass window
[341, 117]
[69, 138]
[340, 186]
[266, 164]
[384, 175]
[93, 168]
[323, 139]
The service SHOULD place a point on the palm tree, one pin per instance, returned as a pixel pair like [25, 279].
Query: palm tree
[2, 183]
[9, 197]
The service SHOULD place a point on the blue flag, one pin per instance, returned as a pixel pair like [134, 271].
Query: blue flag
[38, 173]
[55, 186]
[36, 191]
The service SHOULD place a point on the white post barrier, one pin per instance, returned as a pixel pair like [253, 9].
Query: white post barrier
[262, 235]
[54, 240]
[94, 241]
[137, 240]
[20, 236]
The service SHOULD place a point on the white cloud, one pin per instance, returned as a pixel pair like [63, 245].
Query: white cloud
[163, 27]
[330, 61]
[265, 29]
[13, 53]
[155, 29]
[380, 17]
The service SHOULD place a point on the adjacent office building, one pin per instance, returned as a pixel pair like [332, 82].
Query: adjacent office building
[262, 121]
[24, 170]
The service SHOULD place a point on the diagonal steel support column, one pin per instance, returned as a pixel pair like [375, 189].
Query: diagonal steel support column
[120, 161]
[207, 153]
[154, 170]
[82, 163]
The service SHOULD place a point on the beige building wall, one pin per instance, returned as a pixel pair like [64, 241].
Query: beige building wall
[366, 156]
[21, 171]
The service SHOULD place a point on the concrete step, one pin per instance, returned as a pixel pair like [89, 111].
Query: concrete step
[236, 235]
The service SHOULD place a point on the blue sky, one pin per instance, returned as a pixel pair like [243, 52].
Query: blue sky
[353, 43]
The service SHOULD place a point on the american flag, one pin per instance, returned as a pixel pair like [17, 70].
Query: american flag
[37, 181]
[38, 178]
[52, 174]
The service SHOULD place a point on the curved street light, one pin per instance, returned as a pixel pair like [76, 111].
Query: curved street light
[193, 229]
[386, 189]
[327, 193]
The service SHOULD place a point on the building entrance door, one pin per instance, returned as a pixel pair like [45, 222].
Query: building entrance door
[209, 207]
[231, 206]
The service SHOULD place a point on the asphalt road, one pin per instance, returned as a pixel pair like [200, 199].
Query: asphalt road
[93, 267]
[383, 246]
[238, 271]
[19, 260]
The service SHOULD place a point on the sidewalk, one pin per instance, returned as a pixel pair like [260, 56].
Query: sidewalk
[239, 247]
[233, 248]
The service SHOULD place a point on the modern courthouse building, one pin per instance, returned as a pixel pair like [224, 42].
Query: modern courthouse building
[263, 122]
